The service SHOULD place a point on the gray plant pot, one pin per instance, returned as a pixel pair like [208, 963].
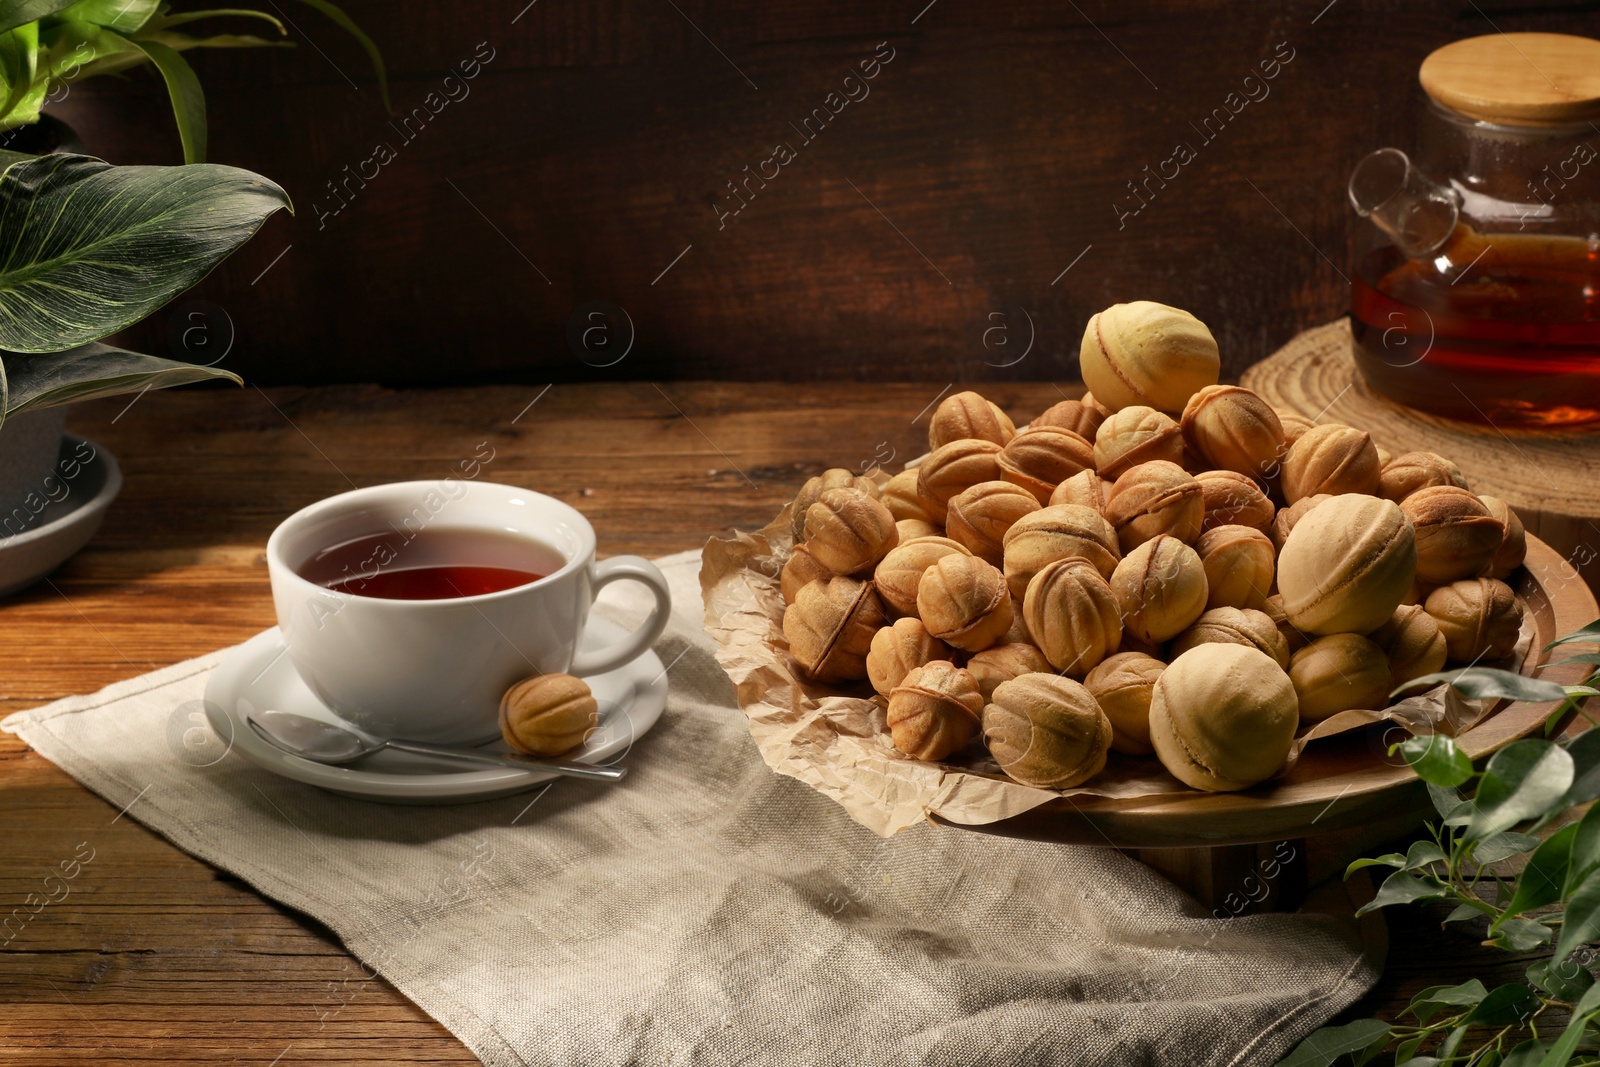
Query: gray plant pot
[29, 445]
[77, 494]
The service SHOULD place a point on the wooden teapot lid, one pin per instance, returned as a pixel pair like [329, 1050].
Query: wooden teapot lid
[1517, 79]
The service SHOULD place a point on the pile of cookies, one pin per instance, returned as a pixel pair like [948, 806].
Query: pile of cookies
[1167, 566]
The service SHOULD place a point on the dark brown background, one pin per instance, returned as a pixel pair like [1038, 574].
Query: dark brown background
[601, 133]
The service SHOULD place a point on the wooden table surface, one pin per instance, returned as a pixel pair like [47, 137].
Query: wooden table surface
[156, 957]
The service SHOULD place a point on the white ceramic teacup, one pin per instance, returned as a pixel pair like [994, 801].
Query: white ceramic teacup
[434, 670]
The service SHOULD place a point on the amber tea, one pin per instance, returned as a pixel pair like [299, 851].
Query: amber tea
[1511, 338]
[431, 564]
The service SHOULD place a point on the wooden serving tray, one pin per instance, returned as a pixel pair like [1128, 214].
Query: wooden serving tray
[1344, 790]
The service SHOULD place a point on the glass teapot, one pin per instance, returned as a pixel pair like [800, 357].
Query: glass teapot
[1476, 290]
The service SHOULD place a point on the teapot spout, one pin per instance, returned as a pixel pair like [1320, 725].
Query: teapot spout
[1418, 214]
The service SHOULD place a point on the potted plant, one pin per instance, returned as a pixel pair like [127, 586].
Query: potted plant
[46, 45]
[87, 249]
[93, 248]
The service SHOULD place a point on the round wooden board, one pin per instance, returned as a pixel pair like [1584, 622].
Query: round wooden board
[1549, 477]
[1339, 783]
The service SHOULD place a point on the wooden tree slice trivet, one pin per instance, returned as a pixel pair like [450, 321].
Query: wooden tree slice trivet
[1551, 478]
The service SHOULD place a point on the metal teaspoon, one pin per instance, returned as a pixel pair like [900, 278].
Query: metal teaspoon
[323, 742]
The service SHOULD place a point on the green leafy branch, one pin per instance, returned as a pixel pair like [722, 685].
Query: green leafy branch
[1555, 899]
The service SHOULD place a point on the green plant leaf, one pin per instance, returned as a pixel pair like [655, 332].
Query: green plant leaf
[1421, 853]
[1521, 782]
[178, 18]
[1527, 1054]
[1591, 658]
[1392, 859]
[50, 379]
[1499, 847]
[1586, 770]
[1405, 1050]
[1435, 999]
[1507, 1005]
[183, 88]
[1589, 1003]
[1589, 633]
[1543, 877]
[1372, 1051]
[1427, 994]
[19, 59]
[71, 45]
[1564, 981]
[1561, 1052]
[1328, 1044]
[87, 248]
[1520, 935]
[1449, 803]
[1452, 1040]
[1581, 922]
[1552, 721]
[1585, 858]
[81, 50]
[27, 108]
[124, 16]
[1489, 683]
[1404, 887]
[1438, 759]
[14, 13]
[183, 42]
[1462, 912]
[375, 57]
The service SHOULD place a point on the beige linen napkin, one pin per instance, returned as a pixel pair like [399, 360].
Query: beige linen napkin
[708, 911]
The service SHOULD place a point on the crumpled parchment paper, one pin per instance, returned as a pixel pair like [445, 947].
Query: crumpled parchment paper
[834, 738]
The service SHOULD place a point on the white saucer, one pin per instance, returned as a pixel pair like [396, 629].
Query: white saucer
[259, 675]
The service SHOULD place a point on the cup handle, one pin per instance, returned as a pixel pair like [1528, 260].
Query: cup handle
[617, 568]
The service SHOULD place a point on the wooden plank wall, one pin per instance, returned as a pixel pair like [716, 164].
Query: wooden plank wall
[921, 232]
